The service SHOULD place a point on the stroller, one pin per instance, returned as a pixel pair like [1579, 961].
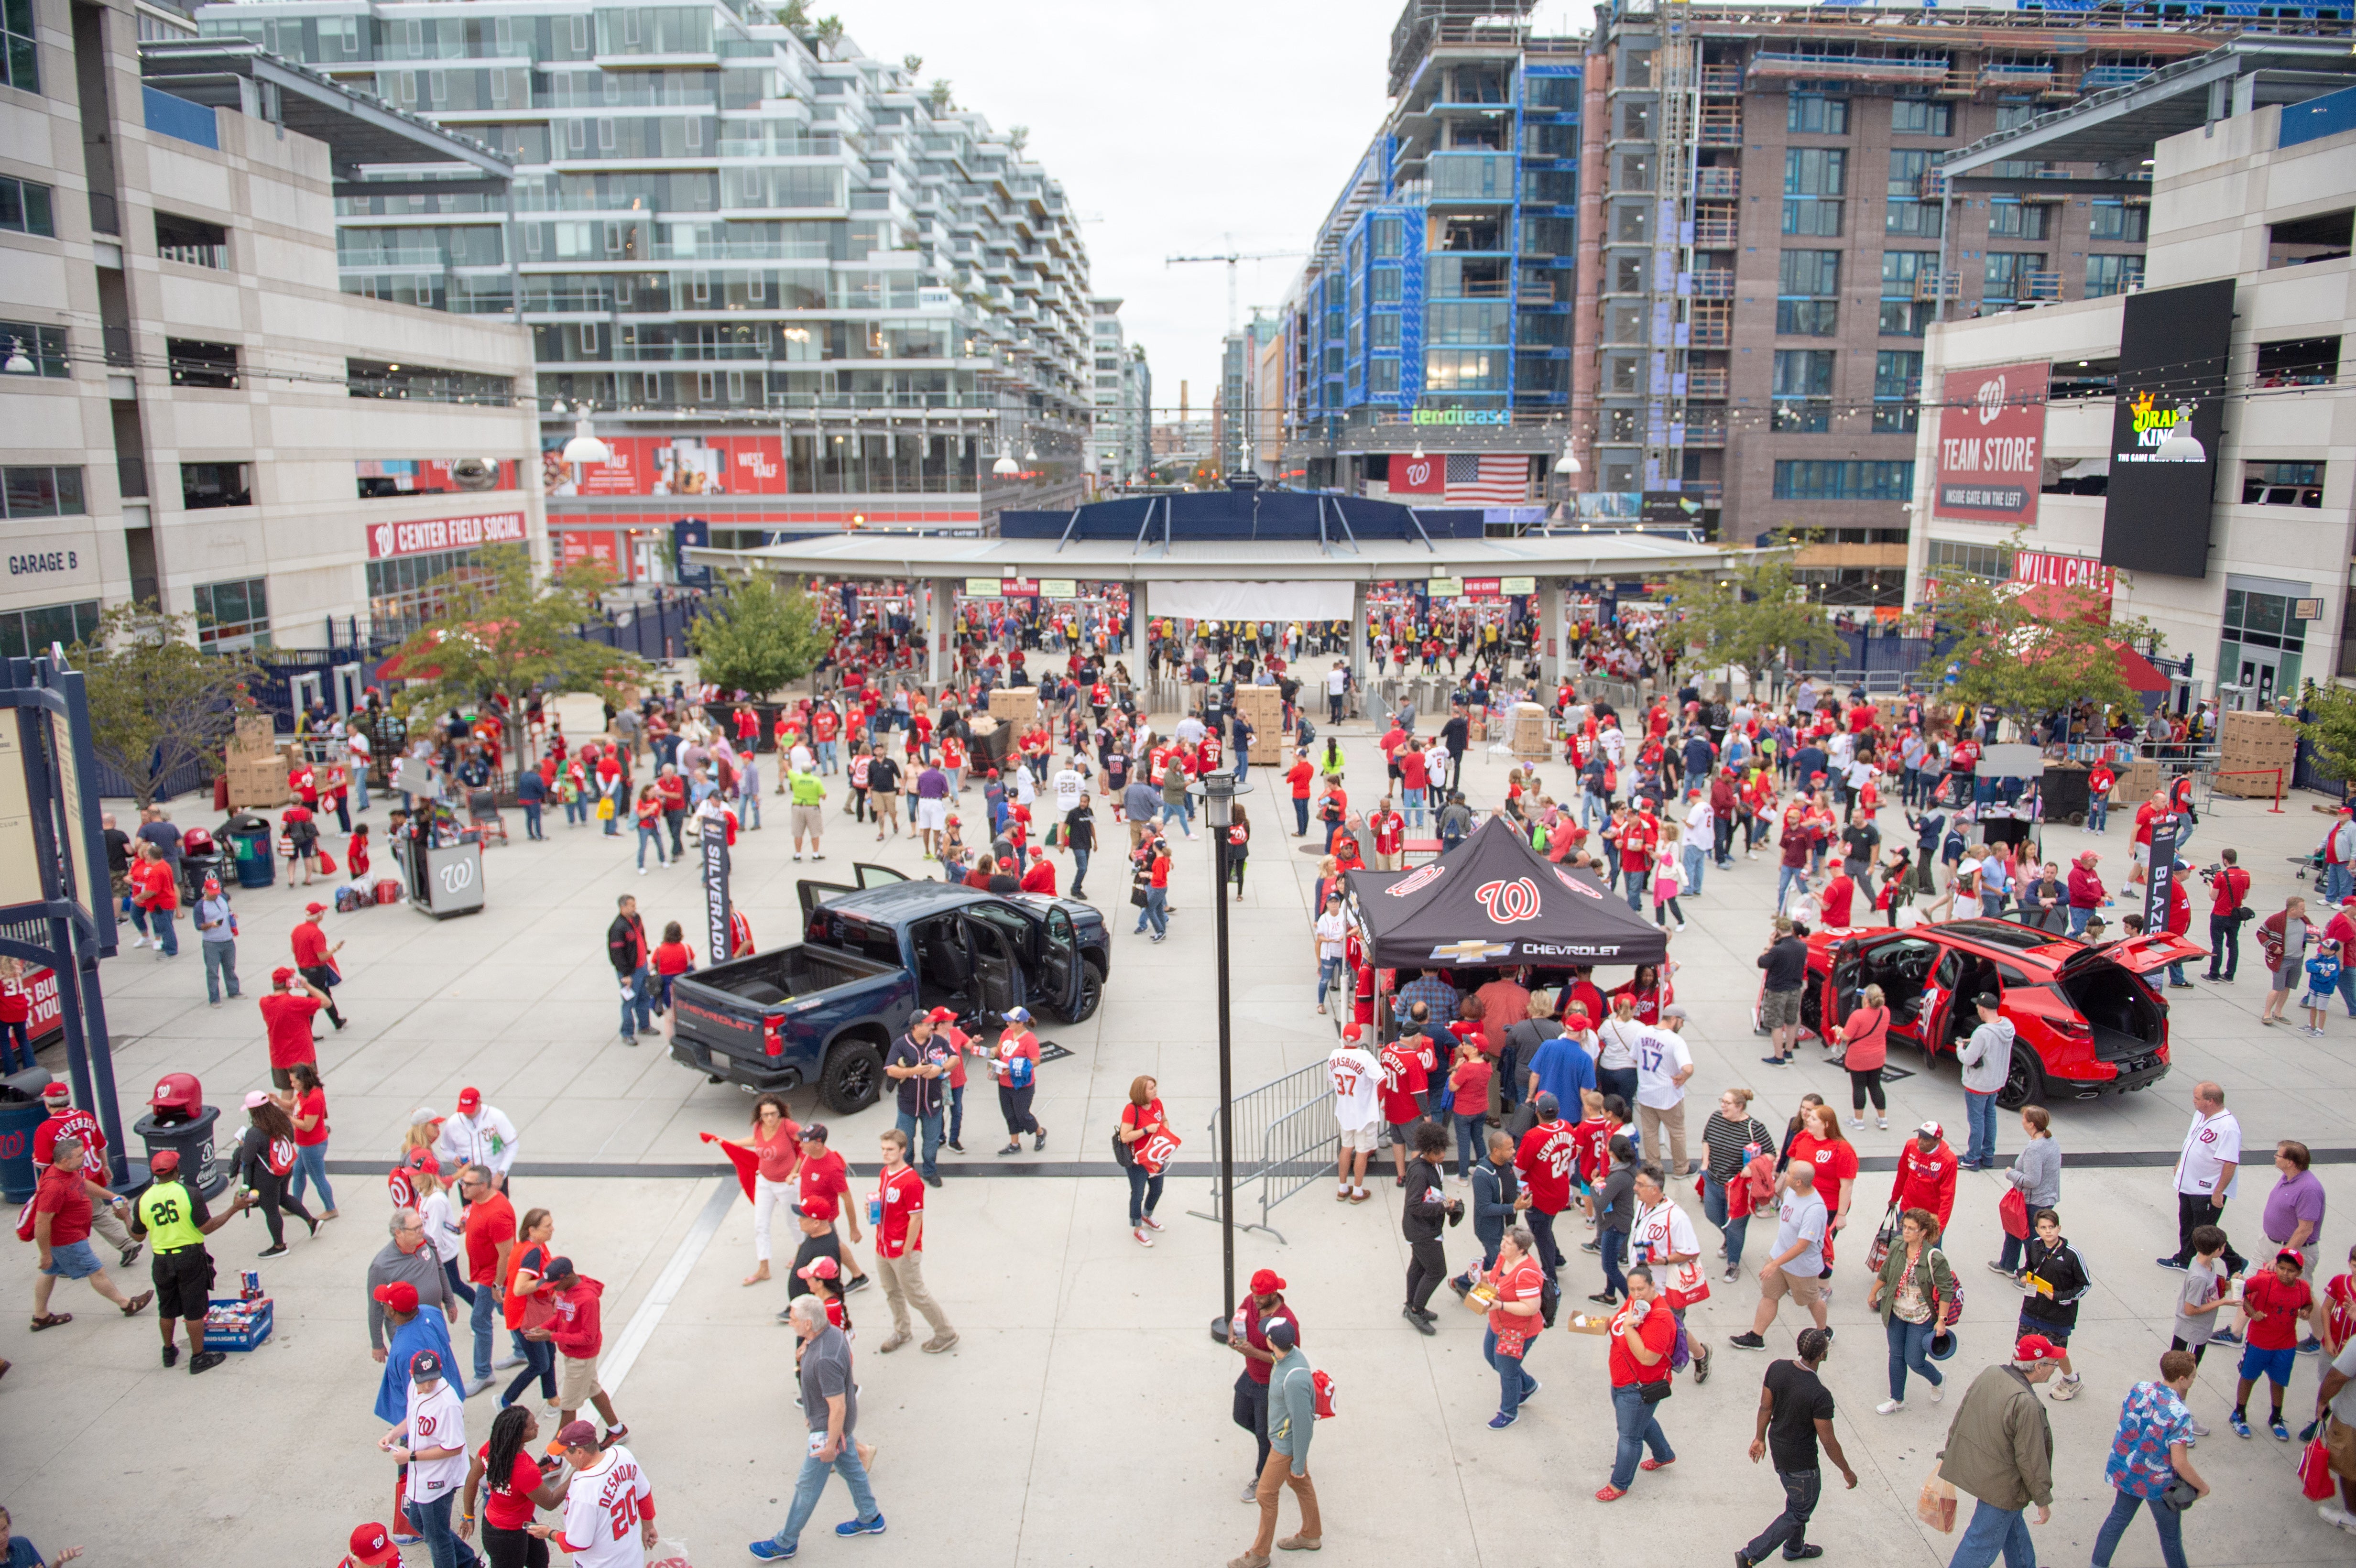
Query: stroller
[483, 815]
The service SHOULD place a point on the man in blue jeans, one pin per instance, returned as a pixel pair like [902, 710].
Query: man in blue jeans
[2000, 1450]
[920, 1066]
[625, 949]
[831, 1410]
[1985, 1059]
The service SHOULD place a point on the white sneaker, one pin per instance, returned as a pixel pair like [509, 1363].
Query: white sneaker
[1938, 1393]
[1890, 1407]
[1857, 1123]
[141, 943]
[2199, 1430]
[2332, 1513]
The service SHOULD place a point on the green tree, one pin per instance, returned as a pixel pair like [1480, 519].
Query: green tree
[937, 97]
[156, 701]
[912, 63]
[502, 630]
[762, 634]
[2028, 654]
[1756, 616]
[828, 30]
[2332, 730]
[1017, 138]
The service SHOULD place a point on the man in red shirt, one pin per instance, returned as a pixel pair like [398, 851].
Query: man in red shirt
[900, 1248]
[1156, 856]
[1638, 834]
[1926, 1174]
[2229, 895]
[155, 894]
[67, 1120]
[1300, 775]
[287, 1015]
[62, 1226]
[1544, 1163]
[825, 1183]
[1836, 900]
[1643, 1334]
[1402, 1095]
[490, 1236]
[1247, 1337]
[1343, 848]
[1390, 830]
[316, 960]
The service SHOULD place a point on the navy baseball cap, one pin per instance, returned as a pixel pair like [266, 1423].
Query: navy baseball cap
[558, 1268]
[425, 1366]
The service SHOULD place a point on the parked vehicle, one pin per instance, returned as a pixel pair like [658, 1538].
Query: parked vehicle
[825, 1011]
[2086, 1022]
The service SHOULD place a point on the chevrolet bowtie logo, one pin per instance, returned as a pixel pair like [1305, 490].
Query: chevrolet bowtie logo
[1469, 952]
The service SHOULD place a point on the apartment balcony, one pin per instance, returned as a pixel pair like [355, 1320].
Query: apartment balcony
[1705, 427]
[1709, 323]
[1722, 81]
[1718, 184]
[2042, 286]
[2016, 76]
[1710, 232]
[1773, 66]
[1720, 126]
[1937, 286]
[1713, 283]
[1705, 385]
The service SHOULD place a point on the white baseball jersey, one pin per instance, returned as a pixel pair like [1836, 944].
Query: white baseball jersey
[1357, 1080]
[437, 1420]
[600, 1512]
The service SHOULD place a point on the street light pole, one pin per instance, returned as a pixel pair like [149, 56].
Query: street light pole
[1219, 802]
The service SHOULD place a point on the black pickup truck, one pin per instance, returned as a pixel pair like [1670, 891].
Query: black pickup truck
[825, 1011]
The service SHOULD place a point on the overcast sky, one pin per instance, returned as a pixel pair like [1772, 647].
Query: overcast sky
[1174, 127]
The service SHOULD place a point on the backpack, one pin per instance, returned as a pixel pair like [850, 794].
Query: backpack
[1308, 735]
[348, 898]
[1550, 1301]
[1322, 1381]
[1123, 1154]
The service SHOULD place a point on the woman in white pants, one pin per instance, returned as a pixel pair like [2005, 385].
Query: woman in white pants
[777, 1143]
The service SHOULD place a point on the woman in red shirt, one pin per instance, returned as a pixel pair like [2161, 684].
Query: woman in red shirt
[776, 1147]
[672, 958]
[505, 1467]
[1647, 990]
[1863, 1040]
[1512, 1292]
[1820, 1145]
[306, 1105]
[1017, 1059]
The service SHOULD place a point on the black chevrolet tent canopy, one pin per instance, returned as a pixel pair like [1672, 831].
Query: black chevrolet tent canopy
[1492, 900]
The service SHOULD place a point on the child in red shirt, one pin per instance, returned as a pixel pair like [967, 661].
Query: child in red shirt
[2273, 1306]
[673, 958]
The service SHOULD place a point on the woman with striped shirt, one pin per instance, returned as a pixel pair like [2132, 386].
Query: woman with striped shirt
[1730, 1135]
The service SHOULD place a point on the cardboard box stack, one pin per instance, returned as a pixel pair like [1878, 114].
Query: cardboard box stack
[256, 769]
[2251, 747]
[1530, 737]
[1263, 708]
[1016, 704]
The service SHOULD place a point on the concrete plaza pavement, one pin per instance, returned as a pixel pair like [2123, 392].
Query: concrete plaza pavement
[1083, 1416]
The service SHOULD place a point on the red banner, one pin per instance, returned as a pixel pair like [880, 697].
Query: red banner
[674, 465]
[1991, 450]
[1426, 475]
[48, 1015]
[389, 539]
[575, 546]
[2064, 584]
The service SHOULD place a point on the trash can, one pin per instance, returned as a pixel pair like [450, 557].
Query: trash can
[250, 846]
[194, 870]
[193, 1140]
[21, 1112]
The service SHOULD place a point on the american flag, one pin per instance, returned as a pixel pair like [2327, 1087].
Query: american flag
[1487, 478]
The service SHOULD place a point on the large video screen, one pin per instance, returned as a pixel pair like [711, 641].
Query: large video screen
[2173, 344]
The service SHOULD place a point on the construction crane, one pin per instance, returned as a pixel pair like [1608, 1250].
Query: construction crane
[1231, 258]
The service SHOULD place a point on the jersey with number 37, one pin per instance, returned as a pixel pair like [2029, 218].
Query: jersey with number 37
[602, 1514]
[1357, 1079]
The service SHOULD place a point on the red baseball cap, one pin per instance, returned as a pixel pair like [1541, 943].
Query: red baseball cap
[281, 974]
[1266, 1282]
[314, 909]
[941, 1016]
[399, 1295]
[57, 1091]
[819, 1268]
[2037, 1348]
[162, 1162]
[470, 1100]
[373, 1548]
[1351, 1031]
[1576, 1019]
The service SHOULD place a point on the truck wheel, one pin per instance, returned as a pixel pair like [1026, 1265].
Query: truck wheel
[2024, 1080]
[853, 1077]
[1091, 994]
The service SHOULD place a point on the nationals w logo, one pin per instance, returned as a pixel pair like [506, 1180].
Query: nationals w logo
[1504, 903]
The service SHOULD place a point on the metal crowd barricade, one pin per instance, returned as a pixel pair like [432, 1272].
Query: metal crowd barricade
[1285, 1138]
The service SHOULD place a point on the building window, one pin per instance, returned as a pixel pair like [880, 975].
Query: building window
[1814, 217]
[1807, 480]
[2293, 362]
[24, 206]
[232, 616]
[411, 590]
[1463, 370]
[1903, 315]
[1814, 114]
[42, 492]
[1470, 322]
[2112, 275]
[21, 68]
[2007, 275]
[1382, 374]
[1807, 302]
[1951, 557]
[207, 485]
[1384, 283]
[195, 364]
[425, 383]
[27, 634]
[2120, 222]
[1815, 171]
[1897, 382]
[1383, 329]
[2010, 218]
[1920, 117]
[1386, 235]
[44, 346]
[191, 241]
[2321, 237]
[1804, 390]
[2282, 484]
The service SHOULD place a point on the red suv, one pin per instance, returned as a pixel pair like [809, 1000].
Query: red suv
[2086, 1022]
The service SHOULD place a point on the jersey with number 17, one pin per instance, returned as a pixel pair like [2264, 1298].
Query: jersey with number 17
[602, 1513]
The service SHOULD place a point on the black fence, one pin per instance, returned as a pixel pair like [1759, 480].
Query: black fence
[655, 630]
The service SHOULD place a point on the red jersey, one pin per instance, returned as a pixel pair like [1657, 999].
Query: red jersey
[900, 1194]
[2275, 1310]
[1592, 1140]
[311, 948]
[1545, 1159]
[1390, 832]
[1657, 1333]
[1403, 1079]
[824, 1184]
[286, 1016]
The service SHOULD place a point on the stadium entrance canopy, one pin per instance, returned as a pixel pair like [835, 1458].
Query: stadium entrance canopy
[1248, 554]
